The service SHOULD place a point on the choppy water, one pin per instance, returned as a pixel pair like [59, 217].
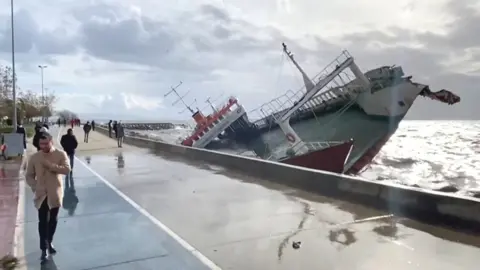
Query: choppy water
[440, 155]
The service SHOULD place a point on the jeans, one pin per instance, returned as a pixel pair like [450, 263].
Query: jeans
[47, 224]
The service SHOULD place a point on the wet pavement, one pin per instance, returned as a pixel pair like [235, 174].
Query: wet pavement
[235, 221]
[9, 179]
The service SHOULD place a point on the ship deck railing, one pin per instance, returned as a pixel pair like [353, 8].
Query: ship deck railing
[336, 88]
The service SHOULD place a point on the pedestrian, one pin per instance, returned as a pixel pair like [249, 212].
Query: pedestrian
[120, 133]
[44, 176]
[110, 128]
[21, 130]
[69, 143]
[86, 128]
[93, 125]
[115, 128]
[36, 137]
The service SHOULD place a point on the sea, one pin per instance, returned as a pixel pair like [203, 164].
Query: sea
[436, 155]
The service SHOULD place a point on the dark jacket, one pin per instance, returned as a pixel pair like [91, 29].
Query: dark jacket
[69, 144]
[120, 131]
[87, 128]
[21, 130]
[36, 140]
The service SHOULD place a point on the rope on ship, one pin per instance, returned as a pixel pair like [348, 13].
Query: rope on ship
[271, 123]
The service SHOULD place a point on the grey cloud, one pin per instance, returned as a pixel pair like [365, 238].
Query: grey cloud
[30, 39]
[215, 13]
[222, 32]
[461, 31]
[26, 32]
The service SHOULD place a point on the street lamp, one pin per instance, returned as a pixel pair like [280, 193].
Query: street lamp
[43, 95]
[14, 76]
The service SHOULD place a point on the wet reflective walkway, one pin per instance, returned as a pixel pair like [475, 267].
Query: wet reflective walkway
[235, 221]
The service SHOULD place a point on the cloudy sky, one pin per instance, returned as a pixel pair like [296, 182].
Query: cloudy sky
[120, 57]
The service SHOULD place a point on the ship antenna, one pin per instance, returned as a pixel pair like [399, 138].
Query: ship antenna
[180, 98]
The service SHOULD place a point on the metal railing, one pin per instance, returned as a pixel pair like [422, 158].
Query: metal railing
[311, 146]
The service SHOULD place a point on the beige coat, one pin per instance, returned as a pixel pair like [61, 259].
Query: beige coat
[44, 176]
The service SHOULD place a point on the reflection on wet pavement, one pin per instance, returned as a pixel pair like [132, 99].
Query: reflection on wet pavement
[120, 161]
[70, 199]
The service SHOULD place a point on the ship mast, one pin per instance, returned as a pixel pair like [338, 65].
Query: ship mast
[180, 98]
[188, 107]
[211, 103]
[306, 80]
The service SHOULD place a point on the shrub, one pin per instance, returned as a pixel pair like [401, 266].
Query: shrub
[8, 129]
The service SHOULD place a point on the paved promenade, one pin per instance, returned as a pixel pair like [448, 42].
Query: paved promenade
[9, 179]
[135, 209]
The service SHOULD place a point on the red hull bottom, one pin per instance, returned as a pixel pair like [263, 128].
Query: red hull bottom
[368, 156]
[330, 159]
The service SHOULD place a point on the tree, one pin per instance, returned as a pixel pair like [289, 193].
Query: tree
[29, 104]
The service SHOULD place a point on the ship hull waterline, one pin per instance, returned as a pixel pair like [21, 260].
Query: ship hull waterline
[330, 159]
[368, 133]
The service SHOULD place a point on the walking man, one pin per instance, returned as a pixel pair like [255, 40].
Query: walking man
[120, 134]
[86, 128]
[93, 125]
[44, 176]
[69, 144]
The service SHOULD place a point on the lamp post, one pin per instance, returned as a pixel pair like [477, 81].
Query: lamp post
[47, 105]
[14, 76]
[43, 95]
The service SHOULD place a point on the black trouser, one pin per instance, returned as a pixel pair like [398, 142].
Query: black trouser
[71, 158]
[85, 138]
[109, 132]
[47, 224]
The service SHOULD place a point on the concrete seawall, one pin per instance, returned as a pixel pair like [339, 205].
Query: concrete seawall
[150, 126]
[430, 206]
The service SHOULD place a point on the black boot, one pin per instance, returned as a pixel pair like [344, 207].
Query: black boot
[43, 257]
